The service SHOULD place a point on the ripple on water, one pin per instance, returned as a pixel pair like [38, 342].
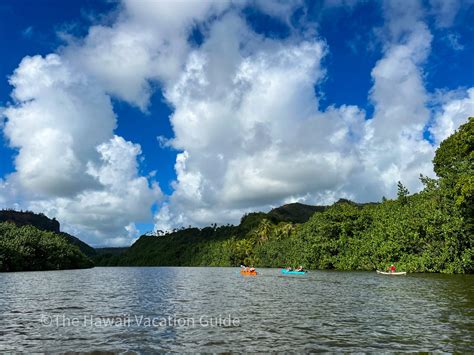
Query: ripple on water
[320, 311]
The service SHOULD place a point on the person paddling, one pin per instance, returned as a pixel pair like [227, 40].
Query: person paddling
[392, 268]
[247, 269]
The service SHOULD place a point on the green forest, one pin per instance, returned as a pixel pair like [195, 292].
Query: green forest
[429, 231]
[27, 248]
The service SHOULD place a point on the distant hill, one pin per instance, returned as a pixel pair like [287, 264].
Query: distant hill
[429, 231]
[84, 247]
[210, 245]
[294, 212]
[355, 204]
[109, 256]
[43, 223]
[28, 218]
[110, 251]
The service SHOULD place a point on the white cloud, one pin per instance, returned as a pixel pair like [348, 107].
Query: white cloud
[454, 112]
[445, 11]
[453, 39]
[147, 43]
[253, 136]
[8, 192]
[281, 9]
[50, 123]
[69, 164]
[398, 92]
[132, 230]
[103, 215]
[400, 19]
[246, 119]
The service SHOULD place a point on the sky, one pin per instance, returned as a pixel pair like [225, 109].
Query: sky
[120, 118]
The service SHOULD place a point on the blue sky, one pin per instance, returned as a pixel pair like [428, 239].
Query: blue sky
[158, 115]
[31, 27]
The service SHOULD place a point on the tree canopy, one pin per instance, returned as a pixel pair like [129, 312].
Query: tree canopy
[430, 231]
[27, 248]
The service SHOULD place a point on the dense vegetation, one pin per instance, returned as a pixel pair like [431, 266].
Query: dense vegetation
[28, 218]
[431, 231]
[294, 212]
[43, 223]
[28, 248]
[83, 247]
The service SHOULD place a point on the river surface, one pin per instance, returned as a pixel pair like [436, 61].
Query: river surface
[182, 309]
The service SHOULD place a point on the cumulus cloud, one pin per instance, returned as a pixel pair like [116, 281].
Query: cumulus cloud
[148, 42]
[50, 124]
[240, 98]
[400, 18]
[394, 147]
[69, 163]
[248, 127]
[253, 136]
[456, 108]
[246, 116]
[106, 215]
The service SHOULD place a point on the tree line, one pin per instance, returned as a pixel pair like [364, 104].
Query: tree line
[429, 231]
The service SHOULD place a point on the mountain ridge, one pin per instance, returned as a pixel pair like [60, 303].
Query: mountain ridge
[43, 223]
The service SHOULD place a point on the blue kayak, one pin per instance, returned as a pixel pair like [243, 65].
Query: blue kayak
[284, 271]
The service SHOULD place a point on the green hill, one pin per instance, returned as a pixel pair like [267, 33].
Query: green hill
[28, 248]
[83, 247]
[431, 231]
[294, 212]
[28, 218]
[43, 223]
[31, 241]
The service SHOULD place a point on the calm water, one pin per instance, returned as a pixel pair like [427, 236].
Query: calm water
[190, 309]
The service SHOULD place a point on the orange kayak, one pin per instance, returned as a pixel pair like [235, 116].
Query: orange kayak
[249, 273]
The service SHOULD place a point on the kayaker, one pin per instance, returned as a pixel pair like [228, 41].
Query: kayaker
[252, 269]
[289, 268]
[392, 268]
[300, 268]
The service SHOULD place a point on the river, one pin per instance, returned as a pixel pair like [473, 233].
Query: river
[146, 309]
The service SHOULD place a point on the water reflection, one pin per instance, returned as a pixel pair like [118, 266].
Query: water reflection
[332, 311]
